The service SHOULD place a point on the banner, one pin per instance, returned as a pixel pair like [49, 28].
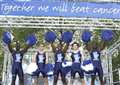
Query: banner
[63, 9]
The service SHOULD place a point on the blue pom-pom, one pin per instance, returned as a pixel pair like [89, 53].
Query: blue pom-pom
[50, 36]
[31, 40]
[66, 66]
[107, 35]
[66, 70]
[86, 36]
[7, 37]
[86, 62]
[67, 37]
[87, 66]
[49, 68]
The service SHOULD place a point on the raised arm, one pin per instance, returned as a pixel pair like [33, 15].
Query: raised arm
[53, 47]
[88, 46]
[65, 48]
[36, 58]
[25, 49]
[102, 45]
[10, 48]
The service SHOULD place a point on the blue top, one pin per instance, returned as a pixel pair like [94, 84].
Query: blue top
[40, 58]
[95, 55]
[59, 56]
[76, 57]
[17, 57]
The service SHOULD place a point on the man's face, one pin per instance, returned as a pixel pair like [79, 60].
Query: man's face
[75, 46]
[59, 47]
[17, 46]
[95, 46]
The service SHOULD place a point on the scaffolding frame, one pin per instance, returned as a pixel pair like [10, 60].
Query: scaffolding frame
[58, 22]
[63, 23]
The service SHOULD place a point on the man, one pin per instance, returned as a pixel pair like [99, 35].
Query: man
[76, 63]
[17, 55]
[95, 53]
[41, 62]
[59, 53]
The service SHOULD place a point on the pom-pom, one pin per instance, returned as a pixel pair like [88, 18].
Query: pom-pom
[31, 40]
[66, 67]
[86, 36]
[107, 35]
[87, 66]
[49, 68]
[7, 37]
[67, 37]
[50, 36]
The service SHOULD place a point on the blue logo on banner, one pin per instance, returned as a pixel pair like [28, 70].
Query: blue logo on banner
[65, 9]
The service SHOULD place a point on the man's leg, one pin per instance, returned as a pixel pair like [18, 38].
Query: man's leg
[45, 78]
[72, 77]
[55, 79]
[101, 81]
[93, 77]
[14, 74]
[63, 78]
[81, 74]
[93, 80]
[13, 79]
[100, 74]
[21, 80]
[56, 74]
[21, 76]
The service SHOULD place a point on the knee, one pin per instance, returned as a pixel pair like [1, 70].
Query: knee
[72, 76]
[64, 81]
[21, 79]
[13, 80]
[55, 77]
[93, 79]
[63, 78]
[13, 77]
[101, 79]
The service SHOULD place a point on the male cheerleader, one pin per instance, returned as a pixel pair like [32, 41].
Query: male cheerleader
[17, 62]
[59, 53]
[95, 53]
[41, 61]
[76, 60]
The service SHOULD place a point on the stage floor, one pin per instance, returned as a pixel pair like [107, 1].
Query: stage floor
[30, 81]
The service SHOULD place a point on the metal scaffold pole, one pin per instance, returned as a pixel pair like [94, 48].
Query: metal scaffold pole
[112, 50]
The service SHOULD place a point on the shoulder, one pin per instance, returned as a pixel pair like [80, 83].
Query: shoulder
[14, 52]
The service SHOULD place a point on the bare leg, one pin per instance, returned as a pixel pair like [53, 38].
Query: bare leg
[46, 80]
[101, 81]
[21, 81]
[13, 80]
[83, 82]
[93, 81]
[55, 80]
[64, 81]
